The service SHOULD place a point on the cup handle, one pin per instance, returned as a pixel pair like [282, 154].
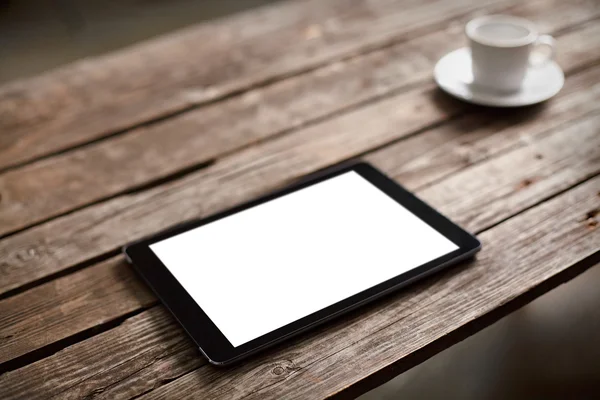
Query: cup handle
[546, 41]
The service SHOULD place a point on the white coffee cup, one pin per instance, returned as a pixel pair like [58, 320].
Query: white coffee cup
[502, 50]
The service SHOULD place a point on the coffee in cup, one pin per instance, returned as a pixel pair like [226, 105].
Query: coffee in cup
[503, 49]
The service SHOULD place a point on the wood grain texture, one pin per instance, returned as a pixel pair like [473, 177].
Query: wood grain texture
[569, 155]
[104, 95]
[66, 241]
[67, 306]
[473, 138]
[537, 245]
[159, 352]
[186, 198]
[152, 153]
[518, 168]
[521, 178]
[380, 337]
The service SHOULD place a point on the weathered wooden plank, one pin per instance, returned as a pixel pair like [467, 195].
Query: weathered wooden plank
[67, 306]
[103, 95]
[149, 154]
[541, 243]
[96, 230]
[457, 294]
[440, 152]
[521, 178]
[569, 155]
[79, 236]
[89, 367]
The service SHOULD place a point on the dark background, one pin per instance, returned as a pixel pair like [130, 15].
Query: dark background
[36, 35]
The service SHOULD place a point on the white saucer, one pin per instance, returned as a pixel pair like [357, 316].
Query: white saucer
[453, 74]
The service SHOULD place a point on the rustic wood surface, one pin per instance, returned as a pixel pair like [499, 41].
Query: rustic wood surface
[56, 238]
[110, 149]
[107, 95]
[149, 154]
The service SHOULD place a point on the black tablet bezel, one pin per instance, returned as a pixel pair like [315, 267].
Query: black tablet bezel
[205, 333]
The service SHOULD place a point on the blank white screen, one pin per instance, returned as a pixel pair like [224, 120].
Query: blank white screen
[265, 267]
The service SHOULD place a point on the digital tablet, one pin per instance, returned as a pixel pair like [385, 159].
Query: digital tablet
[261, 272]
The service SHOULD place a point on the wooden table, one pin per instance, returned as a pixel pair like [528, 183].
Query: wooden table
[107, 150]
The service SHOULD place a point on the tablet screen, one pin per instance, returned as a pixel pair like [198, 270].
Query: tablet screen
[270, 265]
